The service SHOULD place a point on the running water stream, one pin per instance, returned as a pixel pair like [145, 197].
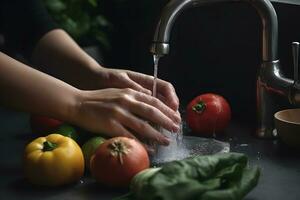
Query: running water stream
[156, 60]
[175, 150]
[181, 147]
[154, 90]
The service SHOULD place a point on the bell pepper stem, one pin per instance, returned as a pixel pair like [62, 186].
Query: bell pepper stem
[49, 146]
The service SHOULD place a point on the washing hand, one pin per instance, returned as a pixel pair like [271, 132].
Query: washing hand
[124, 112]
[117, 78]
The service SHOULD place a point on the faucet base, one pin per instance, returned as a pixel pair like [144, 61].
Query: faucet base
[266, 107]
[266, 133]
[271, 90]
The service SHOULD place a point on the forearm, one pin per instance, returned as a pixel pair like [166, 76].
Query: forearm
[59, 53]
[29, 90]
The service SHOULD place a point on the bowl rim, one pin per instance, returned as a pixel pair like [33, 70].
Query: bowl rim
[283, 120]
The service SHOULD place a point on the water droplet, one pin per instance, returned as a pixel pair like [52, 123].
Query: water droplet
[274, 132]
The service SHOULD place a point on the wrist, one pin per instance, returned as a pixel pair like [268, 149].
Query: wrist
[99, 77]
[91, 77]
[73, 106]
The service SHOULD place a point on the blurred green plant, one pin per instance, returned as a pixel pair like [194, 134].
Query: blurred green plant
[82, 19]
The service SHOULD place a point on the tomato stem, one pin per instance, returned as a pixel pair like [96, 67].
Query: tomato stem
[199, 107]
[49, 146]
[118, 149]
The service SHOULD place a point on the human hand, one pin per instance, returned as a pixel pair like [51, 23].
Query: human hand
[124, 112]
[117, 78]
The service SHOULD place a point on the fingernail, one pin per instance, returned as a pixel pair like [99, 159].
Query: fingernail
[148, 92]
[175, 128]
[150, 150]
[177, 118]
[175, 105]
[165, 140]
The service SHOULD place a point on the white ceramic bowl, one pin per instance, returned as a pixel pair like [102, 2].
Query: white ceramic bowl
[287, 123]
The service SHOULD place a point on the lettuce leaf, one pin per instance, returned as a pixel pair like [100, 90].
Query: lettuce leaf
[217, 177]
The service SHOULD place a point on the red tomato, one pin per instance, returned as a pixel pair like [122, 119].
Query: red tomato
[208, 114]
[118, 160]
[42, 124]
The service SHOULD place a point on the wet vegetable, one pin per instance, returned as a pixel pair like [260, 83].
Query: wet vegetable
[208, 114]
[217, 177]
[53, 160]
[118, 160]
[68, 131]
[89, 148]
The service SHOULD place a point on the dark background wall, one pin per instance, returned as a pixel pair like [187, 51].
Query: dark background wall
[213, 48]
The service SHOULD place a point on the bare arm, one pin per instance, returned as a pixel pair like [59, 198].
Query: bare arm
[27, 89]
[113, 112]
[58, 52]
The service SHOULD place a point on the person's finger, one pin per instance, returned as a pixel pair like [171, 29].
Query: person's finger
[123, 81]
[154, 115]
[133, 102]
[117, 130]
[165, 89]
[175, 116]
[149, 148]
[142, 128]
[135, 86]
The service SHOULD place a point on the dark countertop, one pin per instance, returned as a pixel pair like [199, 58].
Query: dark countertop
[280, 166]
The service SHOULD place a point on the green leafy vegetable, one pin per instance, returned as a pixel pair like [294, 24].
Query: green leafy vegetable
[217, 177]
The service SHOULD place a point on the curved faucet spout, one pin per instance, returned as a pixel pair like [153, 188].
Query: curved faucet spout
[269, 79]
[174, 8]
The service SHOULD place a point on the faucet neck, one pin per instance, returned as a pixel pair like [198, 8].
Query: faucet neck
[174, 8]
[269, 29]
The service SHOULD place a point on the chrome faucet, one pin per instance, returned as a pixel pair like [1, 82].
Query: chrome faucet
[270, 81]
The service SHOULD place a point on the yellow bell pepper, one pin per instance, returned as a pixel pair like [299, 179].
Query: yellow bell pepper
[53, 160]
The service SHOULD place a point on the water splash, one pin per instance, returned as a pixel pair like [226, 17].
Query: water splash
[179, 136]
[176, 150]
[185, 147]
